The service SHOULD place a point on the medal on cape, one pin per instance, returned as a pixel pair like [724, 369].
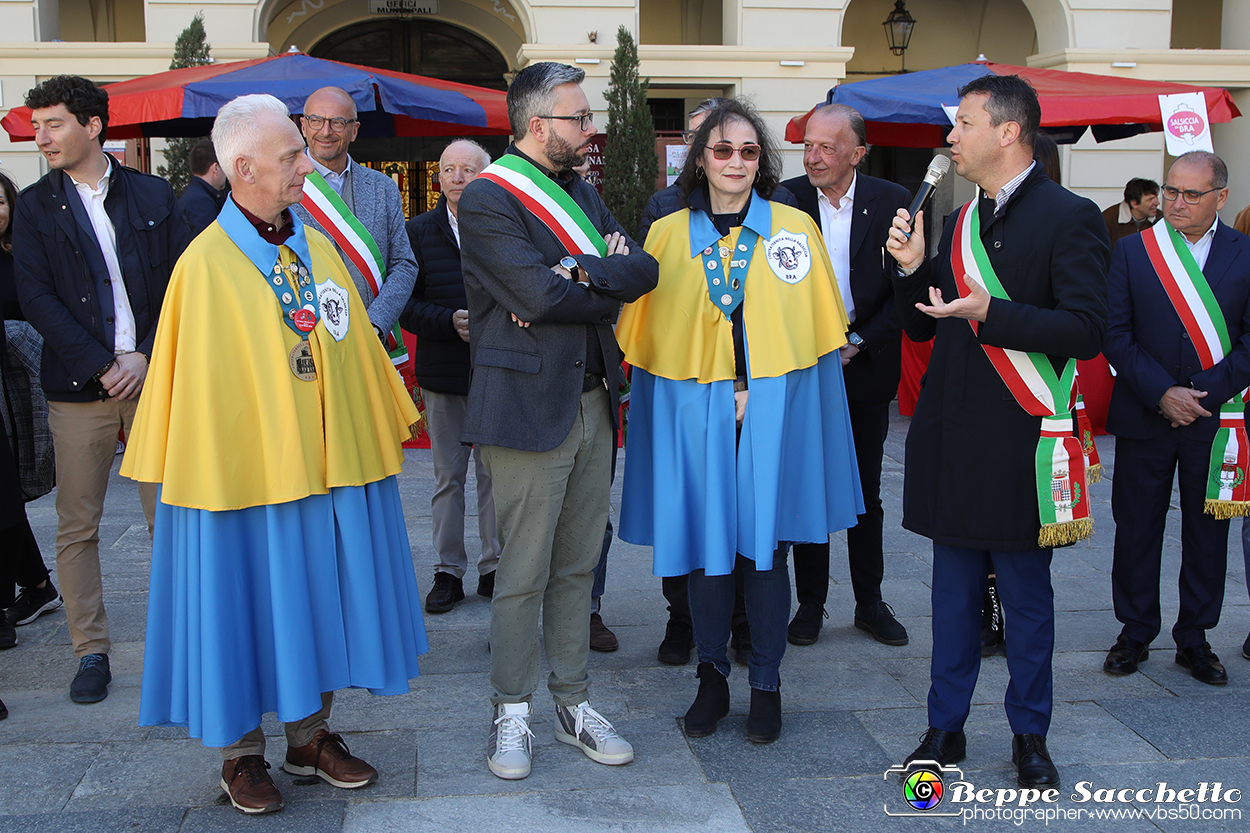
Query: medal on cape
[299, 312]
[332, 300]
[726, 292]
[302, 365]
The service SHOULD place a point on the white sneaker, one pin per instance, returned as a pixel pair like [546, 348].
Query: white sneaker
[584, 727]
[508, 748]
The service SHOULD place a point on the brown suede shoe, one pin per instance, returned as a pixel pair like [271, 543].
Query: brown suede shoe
[601, 639]
[327, 756]
[249, 786]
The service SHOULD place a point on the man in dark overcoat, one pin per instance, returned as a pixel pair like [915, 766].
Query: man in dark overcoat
[854, 212]
[1165, 412]
[971, 480]
[543, 401]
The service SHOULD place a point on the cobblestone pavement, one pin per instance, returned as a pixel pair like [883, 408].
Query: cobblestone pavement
[853, 708]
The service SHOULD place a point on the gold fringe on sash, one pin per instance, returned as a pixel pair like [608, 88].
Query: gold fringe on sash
[1093, 474]
[1068, 532]
[1224, 510]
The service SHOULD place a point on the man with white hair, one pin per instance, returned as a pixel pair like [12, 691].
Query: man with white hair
[273, 422]
[438, 314]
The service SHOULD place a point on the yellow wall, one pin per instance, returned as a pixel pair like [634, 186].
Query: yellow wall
[1196, 24]
[102, 21]
[679, 21]
[947, 32]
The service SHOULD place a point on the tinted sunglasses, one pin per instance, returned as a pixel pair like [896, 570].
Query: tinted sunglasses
[724, 150]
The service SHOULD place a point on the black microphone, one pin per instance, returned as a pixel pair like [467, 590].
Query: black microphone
[937, 169]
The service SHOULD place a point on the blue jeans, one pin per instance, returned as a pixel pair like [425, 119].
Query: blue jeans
[768, 612]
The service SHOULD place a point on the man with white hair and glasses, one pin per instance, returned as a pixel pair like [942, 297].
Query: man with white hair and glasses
[273, 422]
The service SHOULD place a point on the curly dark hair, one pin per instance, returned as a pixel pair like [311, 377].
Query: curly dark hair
[10, 199]
[81, 96]
[734, 109]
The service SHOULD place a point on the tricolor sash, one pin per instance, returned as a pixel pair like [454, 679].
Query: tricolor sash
[1228, 494]
[548, 202]
[1085, 433]
[333, 215]
[1062, 489]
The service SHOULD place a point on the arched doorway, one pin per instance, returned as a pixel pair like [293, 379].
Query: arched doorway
[422, 46]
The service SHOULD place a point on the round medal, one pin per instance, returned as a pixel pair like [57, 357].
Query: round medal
[302, 365]
[726, 299]
[724, 251]
[304, 320]
[286, 297]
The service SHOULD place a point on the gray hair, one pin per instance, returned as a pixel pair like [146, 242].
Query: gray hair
[234, 130]
[486, 160]
[1219, 171]
[533, 92]
[833, 110]
[707, 105]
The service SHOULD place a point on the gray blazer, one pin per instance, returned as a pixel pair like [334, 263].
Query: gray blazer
[526, 383]
[376, 203]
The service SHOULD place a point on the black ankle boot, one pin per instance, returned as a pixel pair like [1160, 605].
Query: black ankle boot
[710, 704]
[764, 721]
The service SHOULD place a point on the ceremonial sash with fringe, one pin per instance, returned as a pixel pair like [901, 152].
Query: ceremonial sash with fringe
[1228, 493]
[1085, 433]
[1062, 490]
[548, 202]
[333, 215]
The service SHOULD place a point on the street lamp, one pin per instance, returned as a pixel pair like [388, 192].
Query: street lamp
[898, 28]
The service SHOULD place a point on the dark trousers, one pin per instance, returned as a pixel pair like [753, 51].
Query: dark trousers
[22, 564]
[677, 594]
[1140, 497]
[768, 607]
[959, 579]
[870, 423]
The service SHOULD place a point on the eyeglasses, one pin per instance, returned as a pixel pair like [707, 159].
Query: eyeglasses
[1191, 197]
[583, 122]
[687, 136]
[724, 150]
[338, 125]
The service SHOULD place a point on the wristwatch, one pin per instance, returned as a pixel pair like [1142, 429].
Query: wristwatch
[569, 263]
[856, 339]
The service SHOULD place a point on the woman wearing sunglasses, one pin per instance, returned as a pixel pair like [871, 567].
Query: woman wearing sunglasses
[739, 439]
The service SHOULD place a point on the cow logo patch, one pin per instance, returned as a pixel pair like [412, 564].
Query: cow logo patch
[788, 256]
[332, 299]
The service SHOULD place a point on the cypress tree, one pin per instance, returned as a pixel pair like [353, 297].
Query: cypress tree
[629, 165]
[190, 50]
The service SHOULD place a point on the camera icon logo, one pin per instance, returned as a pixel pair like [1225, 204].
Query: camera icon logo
[923, 788]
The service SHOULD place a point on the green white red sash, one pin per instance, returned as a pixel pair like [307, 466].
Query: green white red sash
[548, 202]
[1085, 433]
[333, 215]
[1228, 493]
[1062, 489]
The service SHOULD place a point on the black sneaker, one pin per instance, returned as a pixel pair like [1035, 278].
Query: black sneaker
[804, 628]
[447, 591]
[32, 603]
[8, 634]
[486, 585]
[90, 684]
[678, 640]
[4, 711]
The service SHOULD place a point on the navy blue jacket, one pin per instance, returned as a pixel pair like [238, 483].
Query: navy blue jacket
[1150, 350]
[200, 204]
[63, 283]
[872, 376]
[441, 360]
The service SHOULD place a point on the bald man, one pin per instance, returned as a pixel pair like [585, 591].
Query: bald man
[340, 188]
[438, 314]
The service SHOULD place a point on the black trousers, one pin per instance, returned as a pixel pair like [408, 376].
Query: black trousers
[1140, 496]
[676, 593]
[870, 424]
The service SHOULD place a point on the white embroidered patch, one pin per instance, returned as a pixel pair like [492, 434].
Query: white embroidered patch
[788, 256]
[332, 300]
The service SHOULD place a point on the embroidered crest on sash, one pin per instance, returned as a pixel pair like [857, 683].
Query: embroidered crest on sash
[788, 256]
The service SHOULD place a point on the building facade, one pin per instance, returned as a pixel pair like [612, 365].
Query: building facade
[784, 54]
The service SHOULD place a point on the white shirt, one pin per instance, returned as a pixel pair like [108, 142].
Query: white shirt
[1202, 249]
[455, 224]
[123, 316]
[835, 227]
[1007, 190]
[336, 181]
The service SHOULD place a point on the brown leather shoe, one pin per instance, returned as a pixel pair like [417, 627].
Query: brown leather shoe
[601, 639]
[247, 782]
[328, 757]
